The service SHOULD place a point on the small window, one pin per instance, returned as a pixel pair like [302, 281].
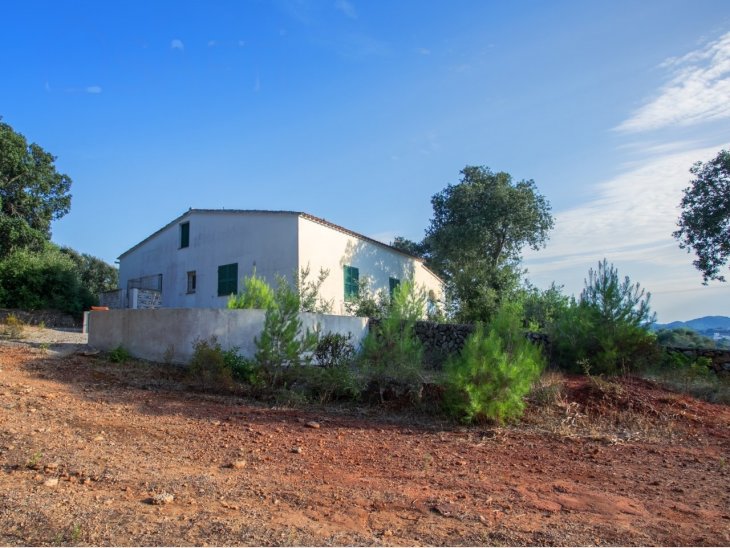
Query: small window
[227, 279]
[192, 281]
[352, 283]
[184, 235]
[394, 283]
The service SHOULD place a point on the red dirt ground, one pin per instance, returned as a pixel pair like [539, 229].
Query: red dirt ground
[86, 446]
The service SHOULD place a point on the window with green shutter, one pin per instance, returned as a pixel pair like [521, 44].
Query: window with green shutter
[352, 282]
[184, 235]
[227, 279]
[393, 283]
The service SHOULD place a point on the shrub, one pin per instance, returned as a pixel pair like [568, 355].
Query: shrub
[334, 350]
[609, 326]
[119, 355]
[494, 372]
[42, 280]
[391, 358]
[13, 327]
[282, 343]
[368, 304]
[256, 293]
[208, 365]
[308, 291]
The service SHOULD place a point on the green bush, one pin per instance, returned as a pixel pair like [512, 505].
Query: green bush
[334, 350]
[391, 357]
[256, 293]
[494, 372]
[42, 280]
[13, 327]
[119, 355]
[283, 343]
[609, 326]
[208, 366]
[308, 291]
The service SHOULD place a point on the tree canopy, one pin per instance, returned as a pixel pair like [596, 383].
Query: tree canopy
[32, 193]
[478, 230]
[704, 224]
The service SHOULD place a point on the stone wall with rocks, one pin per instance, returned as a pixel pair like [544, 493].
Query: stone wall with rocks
[113, 299]
[148, 299]
[49, 318]
[719, 357]
[441, 340]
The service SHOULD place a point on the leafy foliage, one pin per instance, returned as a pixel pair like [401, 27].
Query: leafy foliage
[255, 293]
[45, 280]
[32, 193]
[541, 309]
[334, 350]
[704, 224]
[283, 343]
[96, 275]
[391, 356]
[310, 299]
[494, 372]
[368, 304]
[208, 366]
[476, 235]
[119, 355]
[608, 327]
[683, 337]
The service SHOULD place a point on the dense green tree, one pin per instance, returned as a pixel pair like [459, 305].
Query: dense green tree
[475, 238]
[32, 193]
[683, 337]
[417, 249]
[704, 224]
[96, 275]
[608, 329]
[48, 279]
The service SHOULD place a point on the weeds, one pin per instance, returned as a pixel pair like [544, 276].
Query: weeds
[119, 355]
[13, 327]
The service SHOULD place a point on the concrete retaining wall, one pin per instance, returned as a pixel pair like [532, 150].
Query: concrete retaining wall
[168, 334]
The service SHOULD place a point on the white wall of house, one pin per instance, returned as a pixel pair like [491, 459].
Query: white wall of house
[267, 240]
[273, 242]
[322, 246]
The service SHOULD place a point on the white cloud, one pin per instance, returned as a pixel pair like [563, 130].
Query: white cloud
[630, 221]
[698, 90]
[93, 89]
[177, 44]
[347, 8]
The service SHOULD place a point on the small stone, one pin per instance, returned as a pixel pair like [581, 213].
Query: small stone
[296, 449]
[312, 424]
[99, 438]
[51, 482]
[52, 466]
[238, 464]
[163, 498]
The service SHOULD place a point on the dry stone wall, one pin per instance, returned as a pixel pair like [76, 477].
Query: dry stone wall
[719, 357]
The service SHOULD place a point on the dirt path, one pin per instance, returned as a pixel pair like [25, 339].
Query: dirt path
[87, 447]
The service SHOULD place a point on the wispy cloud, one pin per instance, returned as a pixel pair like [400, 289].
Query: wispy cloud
[423, 51]
[698, 90]
[93, 89]
[629, 221]
[257, 83]
[346, 8]
[177, 44]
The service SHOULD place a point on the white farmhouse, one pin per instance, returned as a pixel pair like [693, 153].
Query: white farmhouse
[199, 259]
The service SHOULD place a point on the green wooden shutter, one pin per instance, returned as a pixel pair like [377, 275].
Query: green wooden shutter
[352, 282]
[394, 283]
[184, 235]
[227, 279]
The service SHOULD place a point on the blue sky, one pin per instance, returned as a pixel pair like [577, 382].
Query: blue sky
[359, 112]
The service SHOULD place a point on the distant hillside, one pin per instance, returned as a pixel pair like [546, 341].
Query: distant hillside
[706, 323]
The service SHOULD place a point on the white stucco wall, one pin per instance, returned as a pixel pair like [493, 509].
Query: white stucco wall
[169, 334]
[267, 240]
[322, 246]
